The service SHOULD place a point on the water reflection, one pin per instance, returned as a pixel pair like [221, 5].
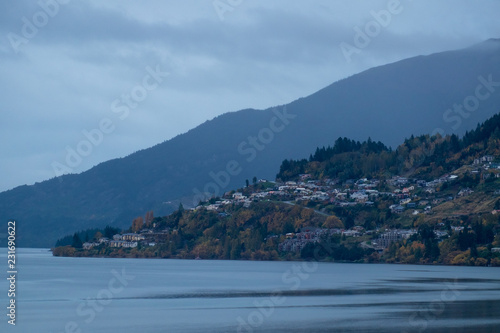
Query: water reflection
[212, 296]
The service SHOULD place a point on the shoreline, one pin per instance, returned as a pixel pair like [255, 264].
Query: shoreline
[281, 260]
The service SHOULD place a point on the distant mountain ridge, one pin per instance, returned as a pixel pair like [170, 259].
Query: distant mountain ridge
[418, 95]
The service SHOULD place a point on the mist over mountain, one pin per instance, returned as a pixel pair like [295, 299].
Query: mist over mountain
[448, 92]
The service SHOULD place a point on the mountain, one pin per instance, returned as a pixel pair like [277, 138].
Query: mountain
[418, 95]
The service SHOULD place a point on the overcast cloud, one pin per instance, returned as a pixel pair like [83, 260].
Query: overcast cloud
[64, 78]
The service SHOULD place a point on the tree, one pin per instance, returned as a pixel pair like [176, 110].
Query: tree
[473, 251]
[149, 218]
[77, 242]
[431, 249]
[247, 182]
[235, 250]
[426, 233]
[466, 239]
[98, 235]
[109, 232]
[349, 222]
[254, 180]
[333, 222]
[137, 224]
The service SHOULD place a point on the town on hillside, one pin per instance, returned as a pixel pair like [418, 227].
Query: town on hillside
[403, 202]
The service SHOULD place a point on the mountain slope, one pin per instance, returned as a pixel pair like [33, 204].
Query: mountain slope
[387, 103]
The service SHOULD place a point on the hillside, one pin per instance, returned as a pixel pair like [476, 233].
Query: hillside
[386, 103]
[432, 200]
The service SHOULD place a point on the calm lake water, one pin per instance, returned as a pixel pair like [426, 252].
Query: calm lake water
[145, 295]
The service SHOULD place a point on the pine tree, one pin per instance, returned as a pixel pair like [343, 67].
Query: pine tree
[77, 242]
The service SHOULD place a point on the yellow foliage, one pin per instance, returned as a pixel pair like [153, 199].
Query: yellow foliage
[481, 262]
[463, 258]
[64, 251]
[495, 262]
[137, 224]
[243, 217]
[333, 222]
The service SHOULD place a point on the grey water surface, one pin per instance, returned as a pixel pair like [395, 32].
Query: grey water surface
[96, 295]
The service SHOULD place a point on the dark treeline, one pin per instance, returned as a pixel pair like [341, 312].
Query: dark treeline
[425, 156]
[76, 240]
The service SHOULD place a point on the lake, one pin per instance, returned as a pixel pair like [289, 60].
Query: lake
[150, 295]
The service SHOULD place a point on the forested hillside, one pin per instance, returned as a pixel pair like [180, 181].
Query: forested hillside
[432, 200]
[423, 156]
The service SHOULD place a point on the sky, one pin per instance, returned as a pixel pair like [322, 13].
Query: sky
[83, 82]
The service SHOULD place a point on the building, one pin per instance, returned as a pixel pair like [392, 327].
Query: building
[103, 240]
[351, 233]
[121, 243]
[487, 158]
[89, 245]
[398, 209]
[116, 243]
[132, 237]
[464, 192]
[237, 195]
[484, 159]
[387, 239]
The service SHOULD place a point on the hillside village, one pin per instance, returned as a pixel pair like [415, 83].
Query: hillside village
[405, 199]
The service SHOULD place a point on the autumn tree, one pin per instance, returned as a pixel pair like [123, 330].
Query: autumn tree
[137, 224]
[149, 218]
[98, 235]
[333, 222]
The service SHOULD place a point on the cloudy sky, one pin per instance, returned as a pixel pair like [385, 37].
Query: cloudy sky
[132, 74]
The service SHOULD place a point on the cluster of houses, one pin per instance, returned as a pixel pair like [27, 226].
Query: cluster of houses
[361, 192]
[330, 191]
[295, 242]
[128, 240]
[350, 193]
[485, 165]
[485, 160]
[391, 236]
[355, 192]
